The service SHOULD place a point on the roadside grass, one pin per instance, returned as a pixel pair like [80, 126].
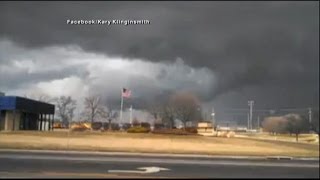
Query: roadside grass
[308, 138]
[154, 143]
[117, 134]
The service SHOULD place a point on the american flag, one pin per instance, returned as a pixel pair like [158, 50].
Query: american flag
[126, 93]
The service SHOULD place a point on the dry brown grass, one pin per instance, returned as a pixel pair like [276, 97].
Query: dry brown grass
[113, 141]
[306, 138]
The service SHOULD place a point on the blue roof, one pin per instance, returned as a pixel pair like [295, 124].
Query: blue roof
[25, 104]
[7, 102]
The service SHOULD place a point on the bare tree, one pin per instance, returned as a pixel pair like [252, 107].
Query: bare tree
[296, 124]
[268, 125]
[103, 112]
[155, 110]
[185, 106]
[92, 107]
[157, 107]
[135, 122]
[168, 114]
[40, 97]
[108, 114]
[315, 121]
[65, 109]
[275, 124]
[112, 116]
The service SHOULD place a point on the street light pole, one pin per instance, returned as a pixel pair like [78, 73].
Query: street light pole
[310, 118]
[250, 103]
[248, 120]
[131, 114]
[213, 114]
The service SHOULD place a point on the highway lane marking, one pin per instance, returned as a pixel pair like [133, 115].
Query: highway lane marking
[146, 170]
[57, 174]
[7, 174]
[164, 161]
[149, 154]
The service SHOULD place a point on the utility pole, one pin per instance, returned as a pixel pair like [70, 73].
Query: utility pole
[248, 118]
[250, 103]
[310, 118]
[213, 119]
[131, 114]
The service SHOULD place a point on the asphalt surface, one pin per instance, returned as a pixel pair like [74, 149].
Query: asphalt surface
[60, 165]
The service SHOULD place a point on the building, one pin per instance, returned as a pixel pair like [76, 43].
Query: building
[205, 128]
[206, 125]
[18, 113]
[227, 125]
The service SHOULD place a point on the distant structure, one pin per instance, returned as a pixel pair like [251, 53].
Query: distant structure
[205, 128]
[227, 125]
[213, 116]
[2, 93]
[18, 113]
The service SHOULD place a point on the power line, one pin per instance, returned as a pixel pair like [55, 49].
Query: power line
[268, 110]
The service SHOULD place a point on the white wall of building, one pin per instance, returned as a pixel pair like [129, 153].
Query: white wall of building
[12, 119]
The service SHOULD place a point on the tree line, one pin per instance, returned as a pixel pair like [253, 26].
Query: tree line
[65, 107]
[290, 123]
[184, 106]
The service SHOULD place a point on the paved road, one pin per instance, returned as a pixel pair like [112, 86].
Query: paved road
[59, 165]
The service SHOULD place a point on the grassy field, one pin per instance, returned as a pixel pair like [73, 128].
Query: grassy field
[303, 138]
[115, 141]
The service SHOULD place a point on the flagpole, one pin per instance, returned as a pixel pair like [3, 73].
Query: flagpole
[121, 106]
[131, 115]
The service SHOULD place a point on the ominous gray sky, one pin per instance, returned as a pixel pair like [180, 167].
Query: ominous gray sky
[225, 52]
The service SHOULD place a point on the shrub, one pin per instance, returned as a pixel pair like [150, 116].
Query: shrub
[135, 122]
[192, 130]
[172, 131]
[105, 126]
[115, 126]
[96, 125]
[57, 125]
[79, 129]
[138, 130]
[126, 126]
[158, 126]
[145, 125]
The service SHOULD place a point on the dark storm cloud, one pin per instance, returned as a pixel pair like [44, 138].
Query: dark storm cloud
[243, 43]
[24, 78]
